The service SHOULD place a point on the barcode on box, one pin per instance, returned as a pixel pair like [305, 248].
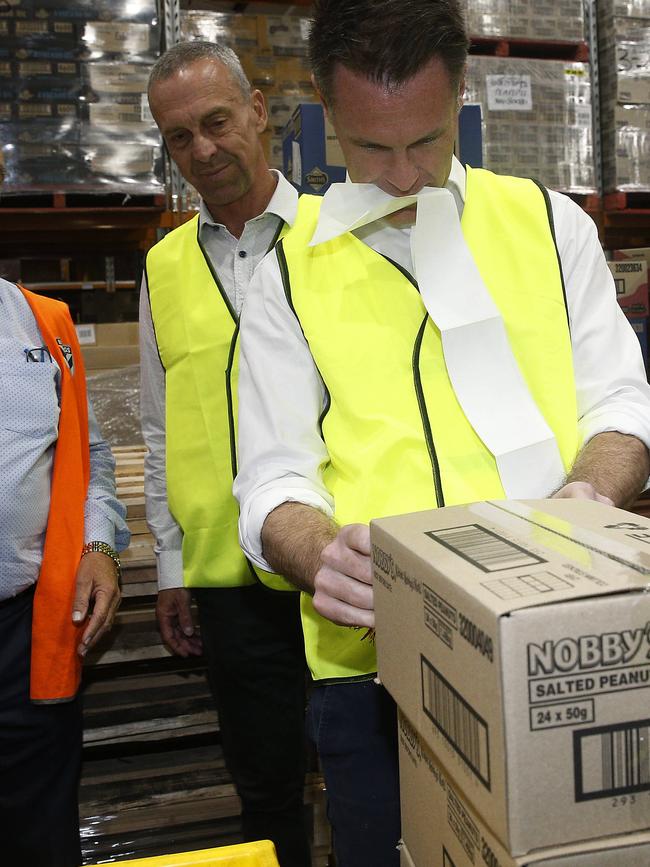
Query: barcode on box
[612, 760]
[486, 550]
[457, 721]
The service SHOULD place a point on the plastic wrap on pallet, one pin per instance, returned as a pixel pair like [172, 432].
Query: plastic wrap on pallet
[552, 20]
[236, 31]
[537, 119]
[626, 148]
[85, 68]
[115, 395]
[144, 11]
[624, 60]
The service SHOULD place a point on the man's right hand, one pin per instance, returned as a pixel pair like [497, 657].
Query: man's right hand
[343, 583]
[175, 622]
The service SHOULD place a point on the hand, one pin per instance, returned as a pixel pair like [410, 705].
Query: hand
[175, 621]
[581, 491]
[343, 583]
[96, 582]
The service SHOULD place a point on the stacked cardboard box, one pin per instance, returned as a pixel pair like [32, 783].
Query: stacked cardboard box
[623, 50]
[514, 637]
[273, 52]
[109, 345]
[537, 119]
[630, 272]
[552, 20]
[73, 95]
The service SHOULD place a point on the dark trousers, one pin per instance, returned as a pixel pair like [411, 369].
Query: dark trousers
[354, 727]
[252, 641]
[40, 757]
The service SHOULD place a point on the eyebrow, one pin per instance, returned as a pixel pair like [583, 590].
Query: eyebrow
[436, 133]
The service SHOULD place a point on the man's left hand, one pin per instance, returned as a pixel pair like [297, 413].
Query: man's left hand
[97, 592]
[581, 491]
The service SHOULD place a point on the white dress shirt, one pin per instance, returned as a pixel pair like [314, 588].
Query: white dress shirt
[281, 394]
[234, 260]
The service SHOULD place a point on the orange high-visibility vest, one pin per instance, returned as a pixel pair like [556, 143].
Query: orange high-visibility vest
[55, 665]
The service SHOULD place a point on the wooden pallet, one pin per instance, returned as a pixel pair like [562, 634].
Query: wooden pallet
[80, 197]
[638, 201]
[529, 48]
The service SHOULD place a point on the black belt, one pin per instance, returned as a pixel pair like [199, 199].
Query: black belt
[5, 603]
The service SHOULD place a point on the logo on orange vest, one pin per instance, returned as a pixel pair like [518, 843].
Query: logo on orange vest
[67, 353]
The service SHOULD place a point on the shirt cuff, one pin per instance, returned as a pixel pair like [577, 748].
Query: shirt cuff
[170, 569]
[97, 528]
[254, 514]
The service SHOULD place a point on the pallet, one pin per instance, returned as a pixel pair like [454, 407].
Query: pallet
[496, 46]
[81, 197]
[590, 202]
[638, 201]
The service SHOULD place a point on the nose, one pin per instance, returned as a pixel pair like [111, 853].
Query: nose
[402, 174]
[203, 148]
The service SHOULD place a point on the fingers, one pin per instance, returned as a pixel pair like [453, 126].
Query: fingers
[81, 598]
[106, 603]
[343, 585]
[174, 614]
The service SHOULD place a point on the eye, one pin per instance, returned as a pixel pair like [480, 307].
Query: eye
[178, 139]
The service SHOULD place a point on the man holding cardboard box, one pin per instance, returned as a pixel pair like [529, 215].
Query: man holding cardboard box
[196, 279]
[429, 336]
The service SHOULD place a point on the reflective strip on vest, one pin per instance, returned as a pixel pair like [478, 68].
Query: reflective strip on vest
[197, 335]
[397, 438]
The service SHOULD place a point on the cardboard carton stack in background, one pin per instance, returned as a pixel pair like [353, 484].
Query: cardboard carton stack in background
[537, 119]
[630, 272]
[556, 20]
[109, 345]
[515, 638]
[73, 95]
[623, 49]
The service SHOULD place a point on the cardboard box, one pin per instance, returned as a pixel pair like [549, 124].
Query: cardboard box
[440, 828]
[631, 281]
[312, 157]
[108, 357]
[516, 637]
[108, 334]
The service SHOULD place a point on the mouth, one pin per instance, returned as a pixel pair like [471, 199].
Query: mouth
[213, 172]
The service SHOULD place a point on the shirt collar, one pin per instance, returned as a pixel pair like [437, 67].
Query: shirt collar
[283, 204]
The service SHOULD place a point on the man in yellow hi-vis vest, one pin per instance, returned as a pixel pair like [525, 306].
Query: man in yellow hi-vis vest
[195, 282]
[425, 336]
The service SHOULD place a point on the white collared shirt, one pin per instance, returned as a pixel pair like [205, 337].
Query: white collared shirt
[281, 395]
[234, 260]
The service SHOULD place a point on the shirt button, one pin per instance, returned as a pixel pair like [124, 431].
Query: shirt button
[242, 254]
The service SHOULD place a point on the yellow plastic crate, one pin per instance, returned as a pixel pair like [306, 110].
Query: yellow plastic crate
[259, 854]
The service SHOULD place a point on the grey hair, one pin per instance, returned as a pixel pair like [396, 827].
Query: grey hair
[184, 54]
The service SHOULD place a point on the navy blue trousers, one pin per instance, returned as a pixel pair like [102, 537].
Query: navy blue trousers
[354, 727]
[40, 757]
[253, 645]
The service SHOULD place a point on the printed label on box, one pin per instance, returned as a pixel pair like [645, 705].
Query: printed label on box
[509, 92]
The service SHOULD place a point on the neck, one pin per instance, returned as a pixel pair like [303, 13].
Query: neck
[254, 202]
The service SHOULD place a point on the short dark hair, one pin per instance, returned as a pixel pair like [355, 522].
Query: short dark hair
[388, 41]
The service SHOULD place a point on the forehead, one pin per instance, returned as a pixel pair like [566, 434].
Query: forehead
[199, 87]
[370, 110]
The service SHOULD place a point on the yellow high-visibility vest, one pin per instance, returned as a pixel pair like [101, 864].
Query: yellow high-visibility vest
[197, 334]
[397, 438]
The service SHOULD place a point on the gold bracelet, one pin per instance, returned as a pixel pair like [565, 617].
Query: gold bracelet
[104, 548]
